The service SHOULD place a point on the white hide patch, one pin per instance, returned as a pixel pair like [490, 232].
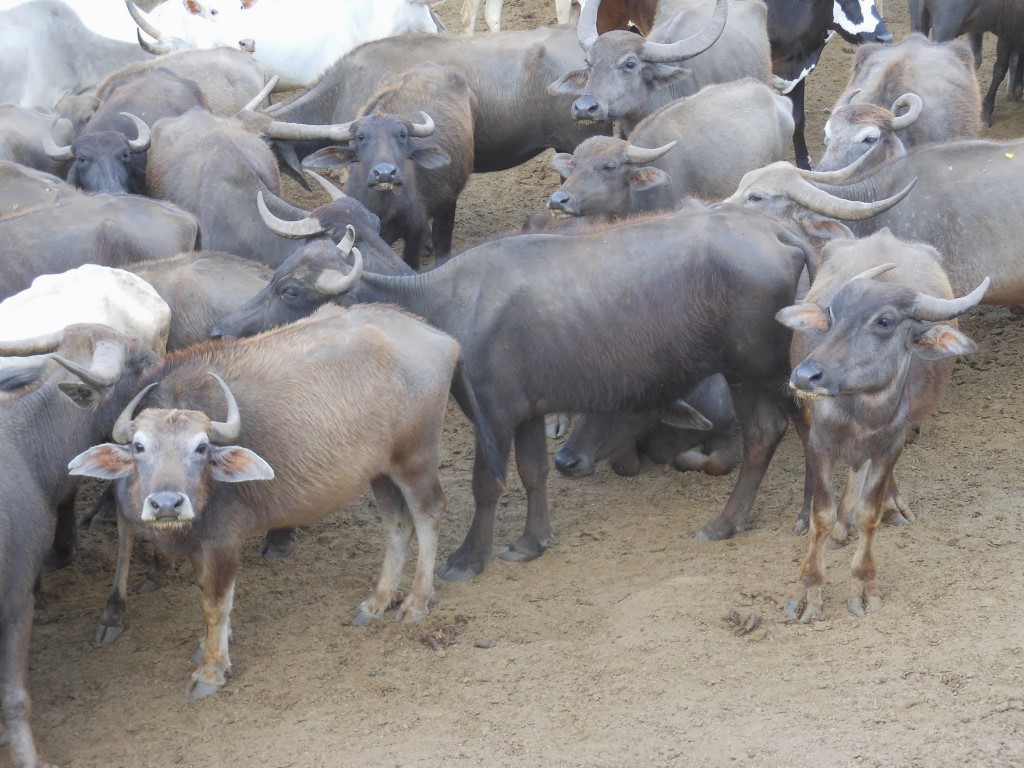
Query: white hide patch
[867, 10]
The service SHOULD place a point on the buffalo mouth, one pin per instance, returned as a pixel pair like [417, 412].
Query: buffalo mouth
[561, 213]
[172, 526]
[818, 393]
[386, 186]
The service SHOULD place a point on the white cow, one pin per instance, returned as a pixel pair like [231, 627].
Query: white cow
[88, 294]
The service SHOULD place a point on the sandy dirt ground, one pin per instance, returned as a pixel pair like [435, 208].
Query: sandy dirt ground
[627, 643]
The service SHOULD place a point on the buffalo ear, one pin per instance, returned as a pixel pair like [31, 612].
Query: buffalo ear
[681, 414]
[647, 177]
[107, 462]
[234, 464]
[808, 319]
[938, 341]
[571, 84]
[822, 227]
[430, 157]
[81, 394]
[562, 162]
[330, 157]
[193, 7]
[662, 75]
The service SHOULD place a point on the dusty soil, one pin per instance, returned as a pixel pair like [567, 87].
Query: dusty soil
[628, 642]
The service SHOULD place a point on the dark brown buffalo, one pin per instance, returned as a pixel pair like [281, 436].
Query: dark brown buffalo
[108, 154]
[21, 138]
[901, 97]
[536, 316]
[319, 409]
[65, 404]
[872, 356]
[628, 77]
[697, 432]
[407, 170]
[514, 120]
[47, 227]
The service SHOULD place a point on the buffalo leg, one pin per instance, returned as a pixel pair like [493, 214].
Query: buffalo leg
[470, 8]
[532, 463]
[441, 234]
[796, 95]
[62, 552]
[471, 556]
[15, 631]
[215, 570]
[157, 575]
[894, 509]
[812, 570]
[763, 423]
[999, 69]
[112, 624]
[865, 594]
[802, 424]
[427, 504]
[277, 543]
[398, 529]
[103, 514]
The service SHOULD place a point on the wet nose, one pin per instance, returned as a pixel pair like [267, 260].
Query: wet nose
[383, 173]
[572, 464]
[585, 108]
[807, 376]
[559, 201]
[165, 505]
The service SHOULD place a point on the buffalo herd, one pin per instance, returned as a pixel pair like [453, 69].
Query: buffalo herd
[689, 291]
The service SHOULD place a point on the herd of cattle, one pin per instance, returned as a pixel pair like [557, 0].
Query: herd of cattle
[257, 365]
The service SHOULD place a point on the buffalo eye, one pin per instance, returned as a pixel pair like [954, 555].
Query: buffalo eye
[201, 448]
[885, 322]
[82, 160]
[630, 64]
[138, 447]
[754, 198]
[360, 136]
[869, 140]
[289, 293]
[127, 156]
[610, 166]
[214, 11]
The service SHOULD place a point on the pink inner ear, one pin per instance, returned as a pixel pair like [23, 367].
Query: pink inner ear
[806, 318]
[193, 7]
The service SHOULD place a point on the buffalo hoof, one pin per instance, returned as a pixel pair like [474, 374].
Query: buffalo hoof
[411, 610]
[801, 526]
[363, 618]
[462, 566]
[197, 689]
[791, 612]
[860, 608]
[715, 531]
[59, 557]
[522, 549]
[556, 425]
[276, 544]
[149, 584]
[108, 633]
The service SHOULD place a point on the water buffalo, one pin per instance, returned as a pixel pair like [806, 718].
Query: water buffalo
[699, 146]
[506, 72]
[951, 207]
[405, 165]
[21, 138]
[933, 82]
[47, 227]
[97, 368]
[378, 380]
[628, 77]
[798, 31]
[109, 153]
[697, 432]
[872, 358]
[494, 297]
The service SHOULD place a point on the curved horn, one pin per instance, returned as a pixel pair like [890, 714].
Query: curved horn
[122, 431]
[307, 227]
[143, 22]
[914, 105]
[345, 246]
[226, 431]
[157, 49]
[424, 129]
[328, 187]
[873, 272]
[141, 142]
[52, 149]
[35, 345]
[840, 175]
[259, 97]
[106, 366]
[809, 196]
[586, 27]
[932, 308]
[694, 44]
[846, 99]
[637, 155]
[335, 286]
[300, 132]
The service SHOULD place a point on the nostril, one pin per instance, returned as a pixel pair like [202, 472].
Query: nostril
[177, 504]
[154, 504]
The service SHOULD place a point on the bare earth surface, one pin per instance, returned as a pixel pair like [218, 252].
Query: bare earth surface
[628, 643]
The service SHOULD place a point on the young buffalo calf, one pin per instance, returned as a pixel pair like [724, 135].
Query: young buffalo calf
[875, 361]
[324, 407]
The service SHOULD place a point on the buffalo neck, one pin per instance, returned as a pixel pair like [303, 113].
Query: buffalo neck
[429, 294]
